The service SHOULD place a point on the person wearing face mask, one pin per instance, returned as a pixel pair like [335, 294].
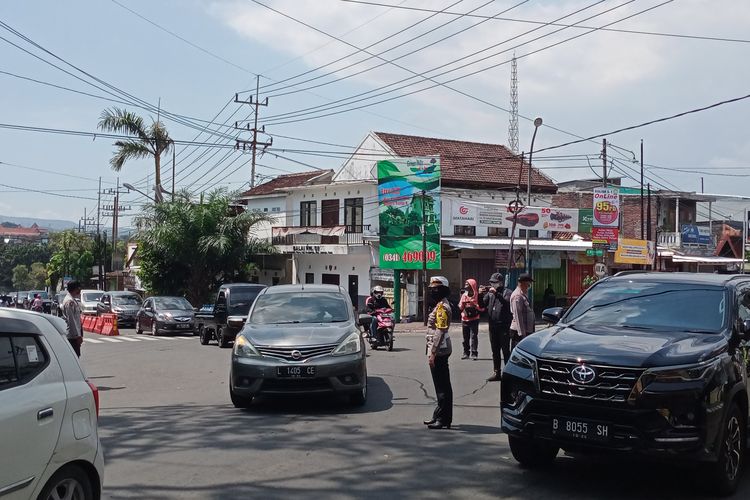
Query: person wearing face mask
[523, 315]
[438, 351]
[469, 305]
[375, 301]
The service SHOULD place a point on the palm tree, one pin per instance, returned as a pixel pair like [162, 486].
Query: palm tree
[148, 141]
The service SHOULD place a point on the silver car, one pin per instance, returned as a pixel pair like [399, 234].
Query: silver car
[299, 339]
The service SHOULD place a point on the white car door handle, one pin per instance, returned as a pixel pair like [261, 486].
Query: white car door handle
[46, 413]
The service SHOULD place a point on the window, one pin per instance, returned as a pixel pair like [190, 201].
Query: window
[497, 231]
[275, 281]
[265, 209]
[7, 364]
[464, 230]
[533, 233]
[276, 209]
[353, 215]
[300, 307]
[308, 211]
[21, 359]
[309, 278]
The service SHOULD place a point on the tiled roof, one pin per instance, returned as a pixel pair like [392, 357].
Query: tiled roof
[32, 231]
[285, 181]
[470, 164]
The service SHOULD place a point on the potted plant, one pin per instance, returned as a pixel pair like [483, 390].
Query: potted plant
[589, 280]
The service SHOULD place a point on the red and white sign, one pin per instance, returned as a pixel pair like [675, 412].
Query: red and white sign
[606, 208]
[605, 236]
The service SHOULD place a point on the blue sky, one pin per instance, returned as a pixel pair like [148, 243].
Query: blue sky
[599, 82]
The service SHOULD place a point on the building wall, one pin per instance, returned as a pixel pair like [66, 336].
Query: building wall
[357, 263]
[362, 166]
[274, 206]
[341, 191]
[630, 210]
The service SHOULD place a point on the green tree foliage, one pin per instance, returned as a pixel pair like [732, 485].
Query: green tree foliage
[149, 141]
[14, 254]
[38, 276]
[21, 280]
[72, 256]
[188, 248]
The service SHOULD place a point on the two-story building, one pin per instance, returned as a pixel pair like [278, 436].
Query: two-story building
[331, 230]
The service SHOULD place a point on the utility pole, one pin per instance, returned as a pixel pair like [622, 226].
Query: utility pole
[604, 184]
[643, 214]
[115, 210]
[99, 248]
[424, 257]
[254, 142]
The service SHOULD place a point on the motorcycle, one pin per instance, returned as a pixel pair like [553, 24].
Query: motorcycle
[383, 337]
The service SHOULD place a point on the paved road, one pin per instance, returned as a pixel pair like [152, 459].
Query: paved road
[170, 431]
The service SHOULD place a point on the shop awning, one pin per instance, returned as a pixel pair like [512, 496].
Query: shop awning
[504, 244]
[705, 260]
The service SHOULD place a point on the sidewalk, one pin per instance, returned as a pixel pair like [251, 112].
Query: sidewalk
[417, 327]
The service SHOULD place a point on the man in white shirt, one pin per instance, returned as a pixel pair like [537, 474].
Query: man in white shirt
[71, 312]
[523, 315]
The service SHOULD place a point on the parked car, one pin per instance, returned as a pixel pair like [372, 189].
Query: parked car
[228, 314]
[299, 340]
[643, 363]
[123, 304]
[48, 413]
[165, 314]
[89, 300]
[20, 296]
[46, 300]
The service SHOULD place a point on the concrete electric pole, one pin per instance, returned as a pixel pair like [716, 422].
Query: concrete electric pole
[254, 142]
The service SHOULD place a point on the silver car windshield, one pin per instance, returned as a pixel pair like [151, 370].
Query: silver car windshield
[126, 300]
[299, 307]
[91, 296]
[172, 304]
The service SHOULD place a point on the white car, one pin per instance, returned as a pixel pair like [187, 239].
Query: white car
[89, 300]
[49, 440]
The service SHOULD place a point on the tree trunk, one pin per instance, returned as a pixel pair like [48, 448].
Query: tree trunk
[157, 179]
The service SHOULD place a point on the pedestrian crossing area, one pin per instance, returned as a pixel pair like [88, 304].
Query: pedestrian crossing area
[94, 339]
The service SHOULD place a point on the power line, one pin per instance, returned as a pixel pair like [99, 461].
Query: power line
[49, 193]
[527, 21]
[650, 122]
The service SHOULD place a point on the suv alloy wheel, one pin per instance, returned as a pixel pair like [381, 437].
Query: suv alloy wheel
[724, 475]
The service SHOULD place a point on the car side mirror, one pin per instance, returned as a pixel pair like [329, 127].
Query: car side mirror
[553, 315]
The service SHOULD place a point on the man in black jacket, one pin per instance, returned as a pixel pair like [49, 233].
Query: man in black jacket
[497, 304]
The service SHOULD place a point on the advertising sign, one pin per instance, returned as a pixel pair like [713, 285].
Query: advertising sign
[585, 220]
[532, 218]
[635, 252]
[606, 207]
[695, 235]
[602, 236]
[403, 210]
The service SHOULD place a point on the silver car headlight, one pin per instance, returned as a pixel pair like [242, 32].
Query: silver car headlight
[164, 316]
[350, 345]
[243, 348]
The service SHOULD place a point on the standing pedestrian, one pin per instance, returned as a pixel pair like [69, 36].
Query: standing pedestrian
[523, 315]
[497, 304]
[470, 307]
[549, 298]
[71, 312]
[438, 351]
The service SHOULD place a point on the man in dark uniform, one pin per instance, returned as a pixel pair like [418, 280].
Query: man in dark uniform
[497, 304]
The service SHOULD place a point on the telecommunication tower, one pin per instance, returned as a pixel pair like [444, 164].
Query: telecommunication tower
[513, 127]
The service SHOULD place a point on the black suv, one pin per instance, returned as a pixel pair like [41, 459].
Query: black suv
[647, 363]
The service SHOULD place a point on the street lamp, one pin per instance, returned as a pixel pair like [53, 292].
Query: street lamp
[537, 124]
[133, 188]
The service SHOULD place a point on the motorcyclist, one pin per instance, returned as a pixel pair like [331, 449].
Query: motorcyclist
[37, 305]
[376, 301]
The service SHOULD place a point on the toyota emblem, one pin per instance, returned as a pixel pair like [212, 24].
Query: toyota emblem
[296, 355]
[583, 374]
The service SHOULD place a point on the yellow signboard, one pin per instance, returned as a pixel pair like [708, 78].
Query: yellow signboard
[634, 252]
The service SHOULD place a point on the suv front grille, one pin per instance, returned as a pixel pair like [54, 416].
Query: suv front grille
[610, 385]
[306, 352]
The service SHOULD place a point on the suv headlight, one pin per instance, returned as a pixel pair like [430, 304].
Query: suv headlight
[681, 374]
[350, 345]
[243, 347]
[522, 359]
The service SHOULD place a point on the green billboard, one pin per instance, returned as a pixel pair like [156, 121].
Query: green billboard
[408, 199]
[585, 220]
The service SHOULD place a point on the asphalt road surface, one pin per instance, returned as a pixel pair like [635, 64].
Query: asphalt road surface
[169, 431]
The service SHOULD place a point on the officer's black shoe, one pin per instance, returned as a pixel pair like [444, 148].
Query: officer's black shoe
[439, 425]
[429, 422]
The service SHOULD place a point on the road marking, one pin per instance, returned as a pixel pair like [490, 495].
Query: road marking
[129, 339]
[108, 339]
[165, 338]
[149, 338]
[92, 341]
[183, 338]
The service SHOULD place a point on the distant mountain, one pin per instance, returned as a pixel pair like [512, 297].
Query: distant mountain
[51, 224]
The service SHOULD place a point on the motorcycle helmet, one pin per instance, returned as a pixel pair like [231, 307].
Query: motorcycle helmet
[377, 291]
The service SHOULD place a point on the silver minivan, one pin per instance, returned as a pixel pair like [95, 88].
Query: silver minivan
[299, 339]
